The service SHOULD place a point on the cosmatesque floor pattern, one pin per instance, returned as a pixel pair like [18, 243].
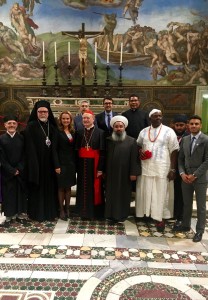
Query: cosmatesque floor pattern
[98, 260]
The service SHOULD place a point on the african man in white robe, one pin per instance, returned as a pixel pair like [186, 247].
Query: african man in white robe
[155, 192]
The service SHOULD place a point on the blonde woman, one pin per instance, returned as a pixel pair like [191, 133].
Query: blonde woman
[65, 162]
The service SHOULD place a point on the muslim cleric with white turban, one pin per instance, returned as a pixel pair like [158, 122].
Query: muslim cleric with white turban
[119, 118]
[122, 167]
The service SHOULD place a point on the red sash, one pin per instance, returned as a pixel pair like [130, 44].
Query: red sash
[95, 154]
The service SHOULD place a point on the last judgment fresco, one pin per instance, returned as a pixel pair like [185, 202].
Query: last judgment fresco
[156, 42]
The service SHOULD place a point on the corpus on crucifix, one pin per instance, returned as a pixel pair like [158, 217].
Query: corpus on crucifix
[82, 36]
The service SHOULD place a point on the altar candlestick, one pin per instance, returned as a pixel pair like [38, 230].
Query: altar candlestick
[108, 46]
[95, 52]
[69, 54]
[55, 51]
[121, 56]
[43, 52]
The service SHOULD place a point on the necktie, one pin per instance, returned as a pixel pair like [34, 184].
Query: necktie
[192, 144]
[108, 120]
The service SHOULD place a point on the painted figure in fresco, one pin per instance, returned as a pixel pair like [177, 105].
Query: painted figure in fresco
[160, 68]
[83, 4]
[199, 75]
[2, 2]
[29, 5]
[10, 41]
[132, 7]
[22, 23]
[189, 34]
[30, 26]
[136, 39]
[111, 22]
[181, 29]
[166, 44]
[18, 72]
[17, 20]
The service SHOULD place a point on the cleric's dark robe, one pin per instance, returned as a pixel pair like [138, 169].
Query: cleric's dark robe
[13, 187]
[90, 197]
[121, 161]
[42, 187]
[137, 120]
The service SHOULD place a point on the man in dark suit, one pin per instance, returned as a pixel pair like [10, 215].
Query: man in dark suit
[103, 119]
[83, 106]
[193, 166]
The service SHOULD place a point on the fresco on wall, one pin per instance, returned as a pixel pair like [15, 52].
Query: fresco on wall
[158, 42]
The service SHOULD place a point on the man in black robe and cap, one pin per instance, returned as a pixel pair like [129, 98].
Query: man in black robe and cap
[40, 135]
[122, 167]
[12, 171]
[137, 120]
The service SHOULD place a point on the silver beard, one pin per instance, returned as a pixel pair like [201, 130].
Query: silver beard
[119, 137]
[43, 120]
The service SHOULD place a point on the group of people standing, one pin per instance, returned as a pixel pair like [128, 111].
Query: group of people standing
[103, 155]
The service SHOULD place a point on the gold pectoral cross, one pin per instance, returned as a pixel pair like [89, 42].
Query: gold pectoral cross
[87, 147]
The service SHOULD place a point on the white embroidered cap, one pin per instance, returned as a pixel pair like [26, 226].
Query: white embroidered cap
[153, 111]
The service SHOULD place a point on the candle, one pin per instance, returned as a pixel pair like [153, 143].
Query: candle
[108, 45]
[43, 52]
[69, 58]
[55, 50]
[121, 55]
[95, 52]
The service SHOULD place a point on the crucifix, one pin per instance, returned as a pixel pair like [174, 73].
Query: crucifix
[81, 36]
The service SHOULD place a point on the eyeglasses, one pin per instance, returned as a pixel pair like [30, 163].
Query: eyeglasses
[42, 111]
[108, 103]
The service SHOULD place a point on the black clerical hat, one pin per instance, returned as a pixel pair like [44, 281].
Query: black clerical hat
[46, 104]
[42, 103]
[10, 118]
[182, 118]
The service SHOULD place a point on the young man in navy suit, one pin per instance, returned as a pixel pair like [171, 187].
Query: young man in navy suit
[103, 119]
[193, 166]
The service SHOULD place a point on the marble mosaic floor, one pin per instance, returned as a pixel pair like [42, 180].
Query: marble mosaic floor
[97, 260]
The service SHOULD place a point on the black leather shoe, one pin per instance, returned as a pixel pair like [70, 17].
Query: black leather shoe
[21, 221]
[181, 229]
[177, 224]
[198, 237]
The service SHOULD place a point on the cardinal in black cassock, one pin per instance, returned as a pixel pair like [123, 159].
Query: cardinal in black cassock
[40, 134]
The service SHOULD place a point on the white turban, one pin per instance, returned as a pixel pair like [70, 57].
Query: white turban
[153, 111]
[119, 118]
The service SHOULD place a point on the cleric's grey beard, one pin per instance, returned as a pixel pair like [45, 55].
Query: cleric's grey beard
[119, 137]
[44, 120]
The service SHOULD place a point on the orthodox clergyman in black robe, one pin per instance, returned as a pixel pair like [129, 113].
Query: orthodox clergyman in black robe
[40, 134]
[12, 171]
[122, 167]
[90, 146]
